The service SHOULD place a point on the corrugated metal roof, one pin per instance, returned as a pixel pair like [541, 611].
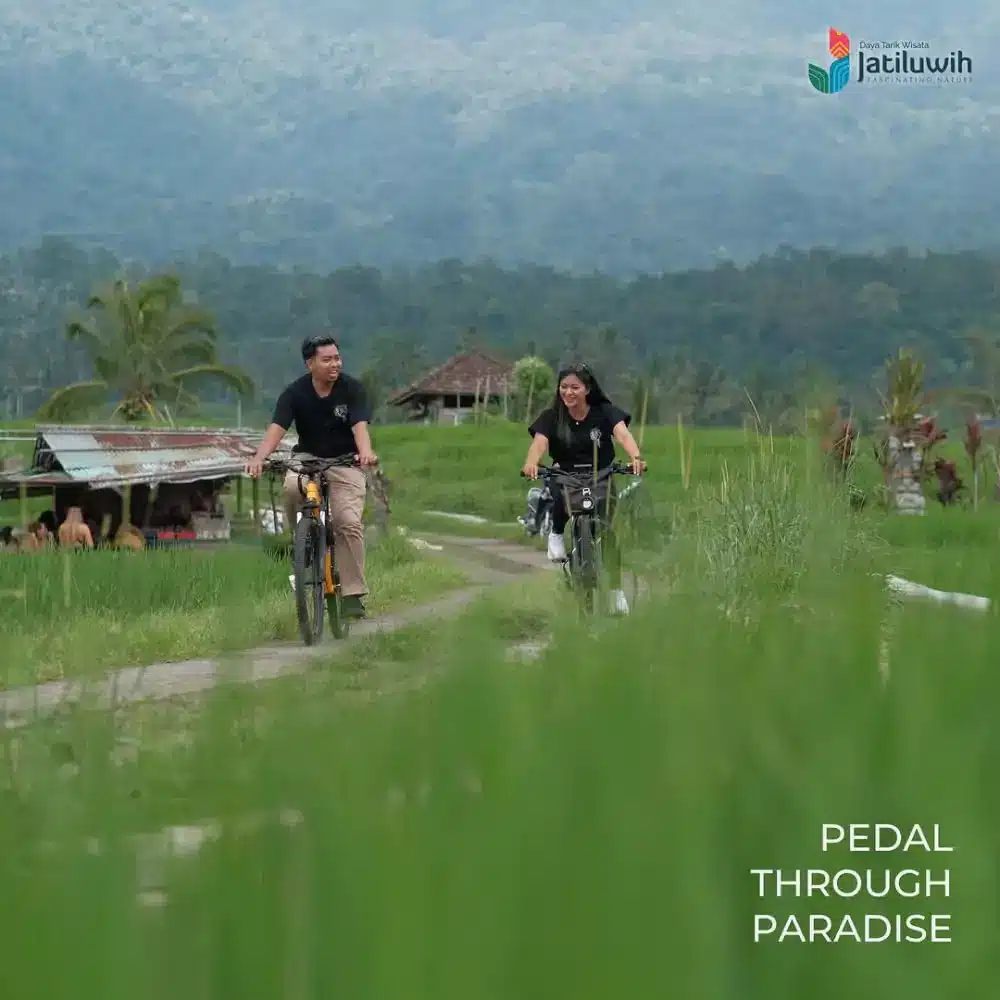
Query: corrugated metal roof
[118, 456]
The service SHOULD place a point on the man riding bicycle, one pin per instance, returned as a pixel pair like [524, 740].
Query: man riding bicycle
[331, 413]
[581, 426]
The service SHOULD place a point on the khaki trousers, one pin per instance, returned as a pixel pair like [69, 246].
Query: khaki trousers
[347, 505]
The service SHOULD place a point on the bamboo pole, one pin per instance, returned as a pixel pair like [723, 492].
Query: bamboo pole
[67, 579]
[685, 453]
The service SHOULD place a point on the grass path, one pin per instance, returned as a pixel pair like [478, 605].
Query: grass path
[485, 561]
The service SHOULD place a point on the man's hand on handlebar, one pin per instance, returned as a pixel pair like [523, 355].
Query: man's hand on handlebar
[638, 466]
[530, 470]
[309, 466]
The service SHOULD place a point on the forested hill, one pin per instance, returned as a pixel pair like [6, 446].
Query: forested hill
[625, 135]
[772, 327]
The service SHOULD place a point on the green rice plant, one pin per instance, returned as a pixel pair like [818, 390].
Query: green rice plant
[88, 612]
[767, 528]
[586, 825]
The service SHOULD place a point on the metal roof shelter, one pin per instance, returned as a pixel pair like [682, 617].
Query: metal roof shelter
[112, 457]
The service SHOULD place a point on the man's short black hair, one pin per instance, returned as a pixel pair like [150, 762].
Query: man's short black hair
[312, 344]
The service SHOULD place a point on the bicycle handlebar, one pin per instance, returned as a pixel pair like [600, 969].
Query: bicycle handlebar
[616, 468]
[310, 466]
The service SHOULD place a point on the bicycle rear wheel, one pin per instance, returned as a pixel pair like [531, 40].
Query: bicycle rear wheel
[308, 563]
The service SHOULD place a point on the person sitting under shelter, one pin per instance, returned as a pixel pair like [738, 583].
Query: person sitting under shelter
[36, 538]
[74, 533]
[48, 518]
[129, 536]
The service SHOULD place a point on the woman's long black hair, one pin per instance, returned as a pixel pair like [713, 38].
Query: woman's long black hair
[596, 396]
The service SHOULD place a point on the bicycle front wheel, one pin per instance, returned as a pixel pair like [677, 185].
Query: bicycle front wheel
[587, 560]
[309, 566]
[339, 625]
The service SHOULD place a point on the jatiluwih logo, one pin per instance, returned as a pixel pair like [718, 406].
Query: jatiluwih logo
[834, 79]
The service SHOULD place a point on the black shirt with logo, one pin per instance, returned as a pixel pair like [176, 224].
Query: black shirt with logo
[596, 427]
[323, 423]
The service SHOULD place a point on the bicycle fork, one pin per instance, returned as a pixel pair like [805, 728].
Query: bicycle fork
[329, 584]
[314, 501]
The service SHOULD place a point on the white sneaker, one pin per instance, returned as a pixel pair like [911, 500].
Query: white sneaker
[619, 602]
[557, 547]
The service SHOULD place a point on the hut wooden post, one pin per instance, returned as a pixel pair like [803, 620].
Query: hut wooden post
[506, 414]
[274, 509]
[486, 397]
[255, 504]
[23, 496]
[239, 495]
[154, 489]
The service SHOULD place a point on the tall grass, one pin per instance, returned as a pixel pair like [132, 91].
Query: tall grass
[88, 612]
[582, 826]
[768, 528]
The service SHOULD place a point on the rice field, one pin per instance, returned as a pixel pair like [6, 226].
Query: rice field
[89, 612]
[433, 818]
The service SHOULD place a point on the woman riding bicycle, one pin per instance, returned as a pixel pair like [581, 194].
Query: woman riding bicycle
[579, 431]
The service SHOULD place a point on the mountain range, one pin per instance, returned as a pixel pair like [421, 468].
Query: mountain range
[618, 136]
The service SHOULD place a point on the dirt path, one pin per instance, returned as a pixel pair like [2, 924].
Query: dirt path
[485, 561]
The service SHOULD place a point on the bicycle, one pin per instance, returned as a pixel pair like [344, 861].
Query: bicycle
[317, 582]
[585, 493]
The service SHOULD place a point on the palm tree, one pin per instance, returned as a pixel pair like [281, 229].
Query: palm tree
[147, 348]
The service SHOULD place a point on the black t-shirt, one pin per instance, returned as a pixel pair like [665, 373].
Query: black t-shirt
[598, 423]
[323, 423]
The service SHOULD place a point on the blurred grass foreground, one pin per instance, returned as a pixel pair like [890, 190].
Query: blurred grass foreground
[583, 824]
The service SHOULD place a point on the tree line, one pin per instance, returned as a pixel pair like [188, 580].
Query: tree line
[700, 344]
